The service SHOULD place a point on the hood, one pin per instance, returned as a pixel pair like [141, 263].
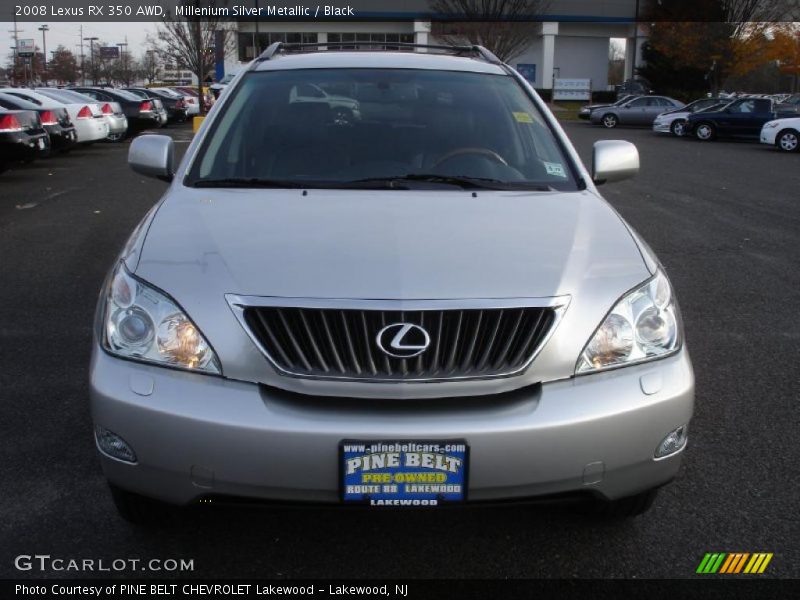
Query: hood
[386, 244]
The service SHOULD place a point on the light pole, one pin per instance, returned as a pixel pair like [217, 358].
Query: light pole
[123, 49]
[44, 29]
[91, 41]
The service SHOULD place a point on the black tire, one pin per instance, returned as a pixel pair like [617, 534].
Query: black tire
[705, 132]
[788, 140]
[677, 127]
[623, 508]
[140, 510]
[610, 121]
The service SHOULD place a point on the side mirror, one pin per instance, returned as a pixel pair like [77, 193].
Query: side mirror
[614, 160]
[153, 156]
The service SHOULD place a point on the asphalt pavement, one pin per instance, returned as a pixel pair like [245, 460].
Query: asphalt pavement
[724, 218]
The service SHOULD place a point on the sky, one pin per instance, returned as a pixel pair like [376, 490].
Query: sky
[68, 35]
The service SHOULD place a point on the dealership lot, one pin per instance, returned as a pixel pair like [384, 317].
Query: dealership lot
[723, 217]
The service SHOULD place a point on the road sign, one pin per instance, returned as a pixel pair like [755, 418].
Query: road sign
[26, 47]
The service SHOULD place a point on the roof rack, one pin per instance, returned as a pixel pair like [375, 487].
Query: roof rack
[279, 48]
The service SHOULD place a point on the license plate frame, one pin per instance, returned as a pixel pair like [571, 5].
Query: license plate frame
[438, 482]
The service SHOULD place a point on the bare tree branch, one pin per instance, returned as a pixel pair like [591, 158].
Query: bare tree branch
[506, 27]
[189, 42]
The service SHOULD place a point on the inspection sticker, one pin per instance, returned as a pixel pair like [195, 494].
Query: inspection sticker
[523, 117]
[556, 169]
[403, 473]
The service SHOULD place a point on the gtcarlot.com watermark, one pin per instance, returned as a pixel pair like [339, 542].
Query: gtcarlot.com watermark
[48, 563]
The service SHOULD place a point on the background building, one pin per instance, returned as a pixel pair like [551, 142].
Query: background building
[573, 39]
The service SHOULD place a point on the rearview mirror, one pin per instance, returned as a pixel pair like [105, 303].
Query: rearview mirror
[153, 156]
[614, 160]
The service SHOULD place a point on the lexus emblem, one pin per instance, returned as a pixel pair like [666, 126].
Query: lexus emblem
[403, 340]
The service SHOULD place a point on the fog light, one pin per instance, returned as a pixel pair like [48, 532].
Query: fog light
[113, 445]
[674, 442]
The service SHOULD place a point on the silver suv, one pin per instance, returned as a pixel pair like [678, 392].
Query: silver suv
[404, 290]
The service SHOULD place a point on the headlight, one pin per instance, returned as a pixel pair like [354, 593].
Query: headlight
[771, 125]
[144, 324]
[642, 326]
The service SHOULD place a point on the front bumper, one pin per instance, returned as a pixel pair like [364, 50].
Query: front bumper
[198, 435]
[661, 127]
[21, 145]
[768, 136]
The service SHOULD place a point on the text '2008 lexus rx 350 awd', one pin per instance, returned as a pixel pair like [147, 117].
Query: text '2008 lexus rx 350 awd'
[385, 278]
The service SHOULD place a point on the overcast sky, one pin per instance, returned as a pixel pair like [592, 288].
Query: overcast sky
[68, 35]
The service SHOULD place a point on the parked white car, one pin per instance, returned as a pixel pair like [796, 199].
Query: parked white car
[784, 134]
[88, 118]
[111, 111]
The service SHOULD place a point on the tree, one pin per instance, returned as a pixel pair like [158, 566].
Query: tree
[190, 42]
[63, 67]
[505, 27]
[720, 37]
[150, 68]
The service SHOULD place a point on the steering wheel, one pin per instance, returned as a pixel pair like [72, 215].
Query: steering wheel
[479, 151]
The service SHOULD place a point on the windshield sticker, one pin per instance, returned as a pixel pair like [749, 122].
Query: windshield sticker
[523, 117]
[556, 169]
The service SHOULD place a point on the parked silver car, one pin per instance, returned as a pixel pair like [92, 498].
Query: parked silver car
[426, 305]
[639, 111]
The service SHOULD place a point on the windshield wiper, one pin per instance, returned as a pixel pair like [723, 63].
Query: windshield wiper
[249, 182]
[461, 181]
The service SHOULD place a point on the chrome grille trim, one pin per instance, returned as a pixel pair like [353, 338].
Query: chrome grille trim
[337, 336]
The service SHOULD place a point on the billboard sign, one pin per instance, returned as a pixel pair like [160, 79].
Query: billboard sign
[26, 47]
[109, 52]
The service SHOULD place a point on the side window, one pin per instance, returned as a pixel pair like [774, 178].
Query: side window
[639, 103]
[26, 98]
[90, 93]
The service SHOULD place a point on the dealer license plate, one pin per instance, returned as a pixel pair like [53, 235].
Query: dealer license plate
[403, 473]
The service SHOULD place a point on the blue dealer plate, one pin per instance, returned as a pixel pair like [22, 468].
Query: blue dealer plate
[403, 473]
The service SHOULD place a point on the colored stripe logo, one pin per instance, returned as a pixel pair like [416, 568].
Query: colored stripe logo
[732, 563]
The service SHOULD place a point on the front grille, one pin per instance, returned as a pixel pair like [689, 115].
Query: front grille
[311, 342]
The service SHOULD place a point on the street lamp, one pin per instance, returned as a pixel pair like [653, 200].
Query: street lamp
[91, 41]
[123, 48]
[44, 29]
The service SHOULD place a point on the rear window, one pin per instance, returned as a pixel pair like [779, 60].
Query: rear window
[339, 126]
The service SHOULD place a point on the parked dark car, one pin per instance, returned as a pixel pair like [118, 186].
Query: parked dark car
[176, 107]
[56, 121]
[141, 113]
[790, 104]
[742, 118]
[22, 137]
[634, 87]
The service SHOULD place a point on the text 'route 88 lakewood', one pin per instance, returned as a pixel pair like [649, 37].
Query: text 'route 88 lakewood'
[206, 589]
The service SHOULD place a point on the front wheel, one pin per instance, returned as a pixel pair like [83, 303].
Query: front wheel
[704, 132]
[678, 127]
[610, 121]
[788, 141]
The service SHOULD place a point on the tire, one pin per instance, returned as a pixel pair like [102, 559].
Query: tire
[705, 132]
[788, 141]
[677, 127]
[609, 121]
[623, 508]
[139, 510]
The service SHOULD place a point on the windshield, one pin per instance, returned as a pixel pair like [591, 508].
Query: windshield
[369, 127]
